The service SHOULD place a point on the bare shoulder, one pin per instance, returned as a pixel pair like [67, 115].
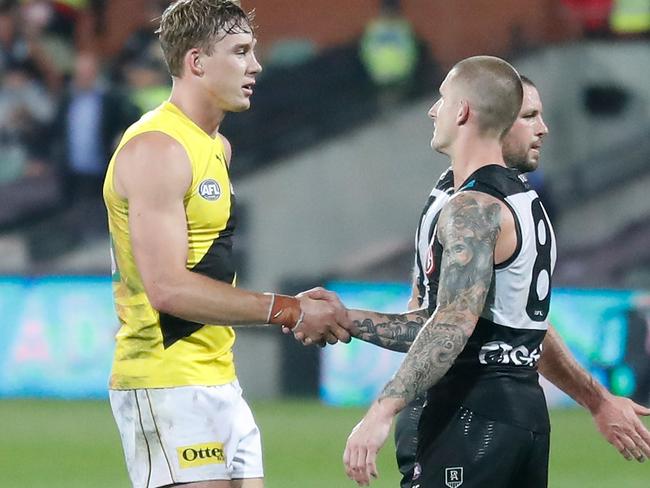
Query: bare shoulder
[227, 148]
[152, 160]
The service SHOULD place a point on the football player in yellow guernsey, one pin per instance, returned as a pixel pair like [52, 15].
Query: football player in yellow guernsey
[171, 209]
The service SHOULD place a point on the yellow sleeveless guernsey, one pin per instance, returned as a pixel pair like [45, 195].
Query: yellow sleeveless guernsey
[156, 350]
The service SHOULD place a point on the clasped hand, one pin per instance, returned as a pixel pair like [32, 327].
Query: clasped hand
[325, 318]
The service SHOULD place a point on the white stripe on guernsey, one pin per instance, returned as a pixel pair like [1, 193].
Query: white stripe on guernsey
[423, 244]
[512, 283]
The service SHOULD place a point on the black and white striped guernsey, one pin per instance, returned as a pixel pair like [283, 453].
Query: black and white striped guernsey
[495, 374]
[438, 198]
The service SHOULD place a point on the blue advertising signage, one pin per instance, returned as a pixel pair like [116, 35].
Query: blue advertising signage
[56, 336]
[57, 339]
[608, 331]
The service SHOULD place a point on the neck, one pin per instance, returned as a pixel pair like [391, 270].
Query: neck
[195, 104]
[473, 152]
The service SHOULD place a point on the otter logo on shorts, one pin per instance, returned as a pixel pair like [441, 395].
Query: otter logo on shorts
[201, 454]
[210, 190]
[453, 477]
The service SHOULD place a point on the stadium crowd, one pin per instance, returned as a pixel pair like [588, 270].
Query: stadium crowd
[61, 108]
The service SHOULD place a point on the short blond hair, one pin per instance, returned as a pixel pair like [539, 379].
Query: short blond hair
[494, 89]
[189, 24]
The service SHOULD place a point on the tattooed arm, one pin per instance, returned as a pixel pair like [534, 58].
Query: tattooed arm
[388, 330]
[467, 229]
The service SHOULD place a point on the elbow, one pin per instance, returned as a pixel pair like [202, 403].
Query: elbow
[161, 298]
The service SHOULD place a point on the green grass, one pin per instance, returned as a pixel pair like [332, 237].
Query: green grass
[75, 444]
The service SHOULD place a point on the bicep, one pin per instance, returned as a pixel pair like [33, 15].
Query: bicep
[155, 174]
[468, 230]
[158, 229]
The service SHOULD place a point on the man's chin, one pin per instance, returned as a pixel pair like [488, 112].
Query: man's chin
[438, 147]
[528, 166]
[240, 106]
[524, 165]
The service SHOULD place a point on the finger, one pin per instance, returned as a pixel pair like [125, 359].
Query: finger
[619, 446]
[346, 461]
[371, 464]
[641, 444]
[285, 330]
[644, 434]
[361, 476]
[300, 336]
[630, 449]
[314, 293]
[351, 467]
[352, 460]
[331, 339]
[340, 333]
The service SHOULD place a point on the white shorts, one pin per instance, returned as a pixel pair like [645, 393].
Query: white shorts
[186, 434]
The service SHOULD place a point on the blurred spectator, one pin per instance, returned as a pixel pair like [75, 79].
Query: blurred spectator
[630, 17]
[140, 65]
[50, 37]
[24, 37]
[26, 110]
[13, 46]
[389, 51]
[91, 118]
[147, 83]
[592, 15]
[287, 53]
[143, 42]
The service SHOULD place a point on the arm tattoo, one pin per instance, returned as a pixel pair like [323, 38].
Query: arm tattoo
[390, 331]
[467, 229]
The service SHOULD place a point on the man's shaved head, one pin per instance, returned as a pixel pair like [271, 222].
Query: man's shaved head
[493, 89]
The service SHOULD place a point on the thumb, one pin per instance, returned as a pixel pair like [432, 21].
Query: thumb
[640, 409]
[317, 294]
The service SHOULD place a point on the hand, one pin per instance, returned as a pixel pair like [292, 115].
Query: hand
[363, 444]
[617, 420]
[325, 318]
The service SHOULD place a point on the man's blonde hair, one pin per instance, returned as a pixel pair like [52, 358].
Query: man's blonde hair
[494, 90]
[189, 24]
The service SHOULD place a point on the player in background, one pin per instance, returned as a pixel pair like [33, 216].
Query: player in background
[172, 214]
[615, 416]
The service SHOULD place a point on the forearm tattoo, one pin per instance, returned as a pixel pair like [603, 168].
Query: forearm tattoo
[467, 230]
[390, 331]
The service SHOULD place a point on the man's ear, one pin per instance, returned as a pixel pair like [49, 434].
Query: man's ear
[463, 113]
[193, 62]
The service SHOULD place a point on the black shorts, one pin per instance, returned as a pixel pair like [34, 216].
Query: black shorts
[406, 439]
[465, 449]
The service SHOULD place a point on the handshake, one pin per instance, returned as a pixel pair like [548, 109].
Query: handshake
[322, 318]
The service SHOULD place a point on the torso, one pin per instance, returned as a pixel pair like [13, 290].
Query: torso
[158, 350]
[496, 374]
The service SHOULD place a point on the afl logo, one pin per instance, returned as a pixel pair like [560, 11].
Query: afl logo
[210, 190]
